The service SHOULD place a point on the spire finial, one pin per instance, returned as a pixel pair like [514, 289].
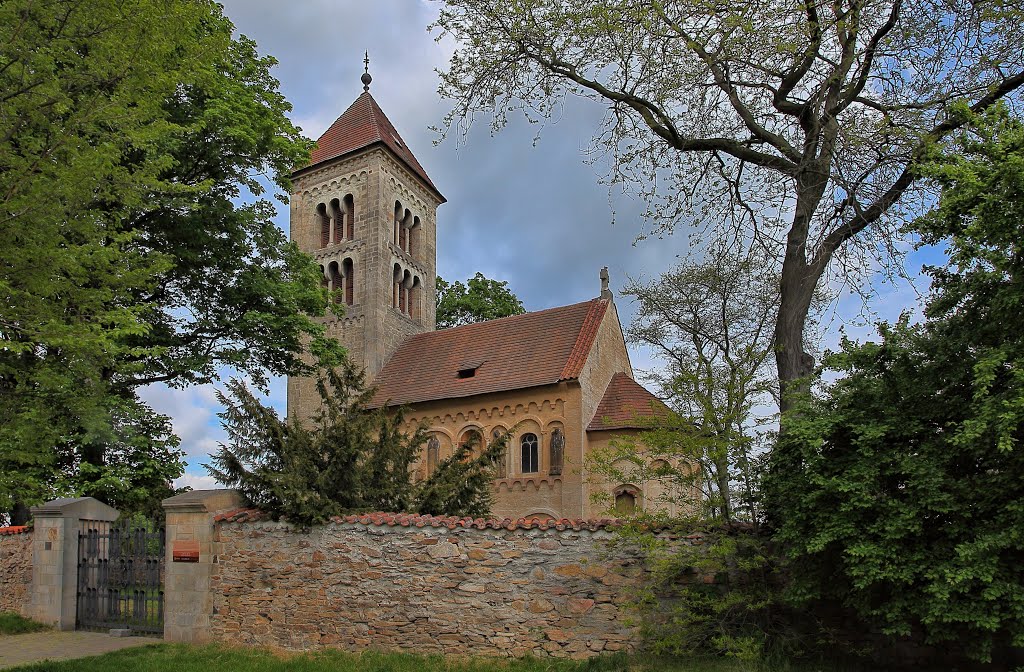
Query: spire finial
[366, 79]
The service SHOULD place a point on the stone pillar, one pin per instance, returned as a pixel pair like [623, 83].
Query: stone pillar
[55, 557]
[188, 603]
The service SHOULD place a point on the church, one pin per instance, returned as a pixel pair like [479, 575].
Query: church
[559, 379]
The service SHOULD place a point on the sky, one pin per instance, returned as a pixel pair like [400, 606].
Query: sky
[522, 207]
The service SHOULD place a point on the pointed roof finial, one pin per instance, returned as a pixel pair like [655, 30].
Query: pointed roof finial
[366, 79]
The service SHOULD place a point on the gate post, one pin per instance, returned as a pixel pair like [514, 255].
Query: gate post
[188, 604]
[55, 556]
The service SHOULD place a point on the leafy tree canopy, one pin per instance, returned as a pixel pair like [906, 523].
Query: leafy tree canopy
[347, 459]
[710, 323]
[480, 299]
[135, 246]
[795, 128]
[900, 496]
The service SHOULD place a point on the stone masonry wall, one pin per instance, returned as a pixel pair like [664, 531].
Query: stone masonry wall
[421, 584]
[16, 572]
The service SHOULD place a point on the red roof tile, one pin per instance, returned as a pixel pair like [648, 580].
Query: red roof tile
[626, 404]
[361, 125]
[510, 353]
[14, 529]
[381, 519]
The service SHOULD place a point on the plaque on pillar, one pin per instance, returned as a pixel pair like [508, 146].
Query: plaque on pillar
[185, 551]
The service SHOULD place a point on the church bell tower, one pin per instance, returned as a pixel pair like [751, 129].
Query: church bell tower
[366, 210]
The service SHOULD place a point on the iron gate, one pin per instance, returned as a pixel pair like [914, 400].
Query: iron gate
[121, 576]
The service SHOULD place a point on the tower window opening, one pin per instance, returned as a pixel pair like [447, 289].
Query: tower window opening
[349, 217]
[337, 217]
[350, 281]
[325, 225]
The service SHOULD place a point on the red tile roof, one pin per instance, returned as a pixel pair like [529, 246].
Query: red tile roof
[361, 125]
[380, 519]
[14, 529]
[626, 404]
[510, 353]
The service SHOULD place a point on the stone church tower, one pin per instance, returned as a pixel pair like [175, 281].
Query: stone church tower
[366, 210]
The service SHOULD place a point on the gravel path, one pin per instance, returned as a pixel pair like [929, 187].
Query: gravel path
[56, 645]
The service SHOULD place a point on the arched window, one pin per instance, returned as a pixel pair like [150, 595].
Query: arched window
[414, 297]
[398, 221]
[335, 281]
[403, 231]
[350, 281]
[396, 285]
[336, 215]
[474, 440]
[349, 218]
[625, 503]
[403, 292]
[502, 468]
[530, 453]
[414, 233]
[556, 452]
[325, 225]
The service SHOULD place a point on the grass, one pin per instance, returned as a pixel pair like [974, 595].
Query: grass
[184, 658]
[13, 624]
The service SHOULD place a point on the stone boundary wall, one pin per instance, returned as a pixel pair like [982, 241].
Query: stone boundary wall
[423, 585]
[15, 570]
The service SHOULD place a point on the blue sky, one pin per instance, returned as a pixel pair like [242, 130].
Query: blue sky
[521, 208]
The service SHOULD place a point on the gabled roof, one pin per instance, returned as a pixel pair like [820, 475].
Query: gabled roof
[626, 404]
[510, 353]
[361, 125]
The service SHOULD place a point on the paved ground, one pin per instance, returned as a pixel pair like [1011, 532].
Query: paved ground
[57, 645]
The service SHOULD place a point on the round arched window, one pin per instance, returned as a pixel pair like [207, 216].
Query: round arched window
[530, 453]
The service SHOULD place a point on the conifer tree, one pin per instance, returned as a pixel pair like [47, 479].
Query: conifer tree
[348, 458]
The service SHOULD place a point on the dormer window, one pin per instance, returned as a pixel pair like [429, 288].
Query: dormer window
[468, 372]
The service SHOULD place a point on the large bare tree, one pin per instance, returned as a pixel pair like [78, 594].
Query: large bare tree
[791, 125]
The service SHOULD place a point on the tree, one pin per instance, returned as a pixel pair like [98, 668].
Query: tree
[908, 468]
[350, 459]
[795, 128]
[125, 259]
[711, 323]
[478, 300]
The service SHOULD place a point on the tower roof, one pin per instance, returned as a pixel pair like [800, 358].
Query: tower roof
[362, 125]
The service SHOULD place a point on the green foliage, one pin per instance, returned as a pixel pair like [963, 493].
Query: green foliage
[710, 322]
[900, 493]
[664, 459]
[721, 596]
[461, 485]
[15, 624]
[350, 458]
[134, 246]
[185, 658]
[478, 300]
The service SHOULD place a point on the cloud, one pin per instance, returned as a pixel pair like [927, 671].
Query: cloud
[196, 482]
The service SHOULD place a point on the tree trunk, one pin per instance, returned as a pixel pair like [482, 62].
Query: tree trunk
[798, 282]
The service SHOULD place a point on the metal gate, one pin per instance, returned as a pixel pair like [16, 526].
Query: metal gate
[120, 577]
